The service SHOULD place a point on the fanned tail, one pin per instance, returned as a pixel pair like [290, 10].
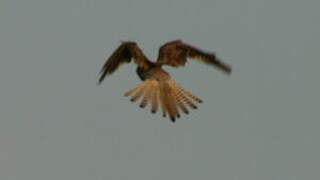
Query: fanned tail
[170, 96]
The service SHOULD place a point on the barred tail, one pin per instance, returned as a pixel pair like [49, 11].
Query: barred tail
[170, 96]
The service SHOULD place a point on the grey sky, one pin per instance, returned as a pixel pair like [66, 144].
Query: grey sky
[262, 122]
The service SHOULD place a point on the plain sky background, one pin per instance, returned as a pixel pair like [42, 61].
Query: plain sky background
[260, 123]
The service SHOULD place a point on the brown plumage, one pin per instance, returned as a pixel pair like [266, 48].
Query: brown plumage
[157, 88]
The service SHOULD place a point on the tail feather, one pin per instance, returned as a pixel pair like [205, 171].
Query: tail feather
[146, 98]
[180, 103]
[171, 98]
[190, 95]
[130, 92]
[162, 103]
[185, 96]
[155, 98]
[187, 93]
[138, 94]
[186, 100]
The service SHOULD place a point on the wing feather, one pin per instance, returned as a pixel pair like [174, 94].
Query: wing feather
[123, 54]
[175, 53]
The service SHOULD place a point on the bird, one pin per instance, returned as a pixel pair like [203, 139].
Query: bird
[157, 87]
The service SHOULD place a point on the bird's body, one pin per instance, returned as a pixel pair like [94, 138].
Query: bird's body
[155, 72]
[157, 88]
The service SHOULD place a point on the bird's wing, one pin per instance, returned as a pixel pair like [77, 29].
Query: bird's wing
[123, 54]
[175, 53]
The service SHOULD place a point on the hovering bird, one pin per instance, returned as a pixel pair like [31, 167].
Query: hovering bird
[158, 88]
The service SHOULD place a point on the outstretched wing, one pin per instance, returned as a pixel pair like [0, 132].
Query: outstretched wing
[123, 54]
[175, 53]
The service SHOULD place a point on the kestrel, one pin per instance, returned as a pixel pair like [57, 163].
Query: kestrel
[158, 88]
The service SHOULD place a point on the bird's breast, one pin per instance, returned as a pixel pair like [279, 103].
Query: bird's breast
[156, 73]
[159, 74]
